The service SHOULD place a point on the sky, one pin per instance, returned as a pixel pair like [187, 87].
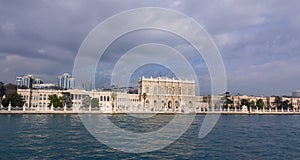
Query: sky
[258, 40]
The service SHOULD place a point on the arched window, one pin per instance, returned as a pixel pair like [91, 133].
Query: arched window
[147, 103]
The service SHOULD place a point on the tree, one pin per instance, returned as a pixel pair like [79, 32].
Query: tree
[15, 99]
[67, 99]
[287, 105]
[113, 97]
[10, 88]
[227, 100]
[86, 101]
[278, 102]
[95, 102]
[2, 91]
[252, 104]
[246, 102]
[260, 104]
[144, 97]
[55, 100]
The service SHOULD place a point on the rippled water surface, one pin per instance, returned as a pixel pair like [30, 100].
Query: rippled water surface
[234, 137]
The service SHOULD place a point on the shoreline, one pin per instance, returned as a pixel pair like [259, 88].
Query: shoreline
[160, 113]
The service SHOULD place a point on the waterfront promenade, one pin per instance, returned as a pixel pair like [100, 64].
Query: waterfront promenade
[20, 110]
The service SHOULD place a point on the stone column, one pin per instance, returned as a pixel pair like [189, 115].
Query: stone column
[24, 107]
[9, 106]
[90, 107]
[65, 108]
[51, 108]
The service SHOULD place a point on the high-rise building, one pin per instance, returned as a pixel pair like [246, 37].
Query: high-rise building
[65, 81]
[27, 81]
[88, 85]
[296, 94]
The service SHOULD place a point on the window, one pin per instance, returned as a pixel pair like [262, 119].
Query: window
[155, 90]
[190, 91]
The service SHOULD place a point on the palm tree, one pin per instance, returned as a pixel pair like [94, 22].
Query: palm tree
[227, 99]
[67, 99]
[144, 97]
[278, 102]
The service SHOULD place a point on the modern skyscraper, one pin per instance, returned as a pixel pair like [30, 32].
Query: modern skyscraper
[88, 85]
[65, 81]
[27, 81]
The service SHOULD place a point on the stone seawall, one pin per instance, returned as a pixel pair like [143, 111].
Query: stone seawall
[99, 112]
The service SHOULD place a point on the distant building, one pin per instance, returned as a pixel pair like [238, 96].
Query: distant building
[88, 85]
[43, 86]
[159, 94]
[296, 94]
[65, 82]
[115, 88]
[27, 81]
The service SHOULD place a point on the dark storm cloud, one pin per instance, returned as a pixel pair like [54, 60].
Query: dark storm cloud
[257, 39]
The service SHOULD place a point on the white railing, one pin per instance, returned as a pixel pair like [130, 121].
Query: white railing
[128, 109]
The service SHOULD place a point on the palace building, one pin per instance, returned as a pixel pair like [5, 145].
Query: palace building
[164, 93]
[160, 94]
[154, 95]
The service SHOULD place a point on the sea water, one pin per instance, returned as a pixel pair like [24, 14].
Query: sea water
[59, 136]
